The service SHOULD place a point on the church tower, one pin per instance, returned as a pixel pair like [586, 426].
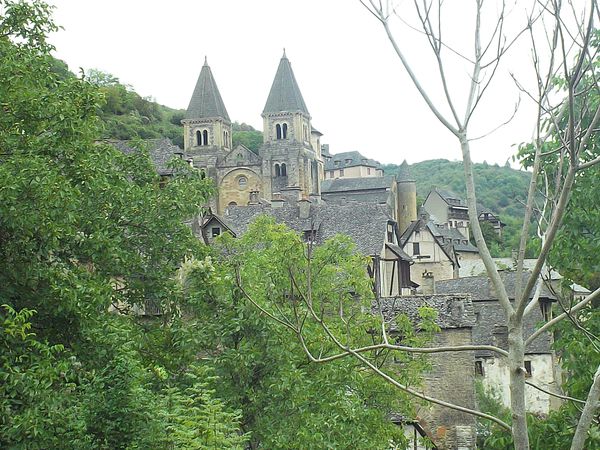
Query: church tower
[207, 127]
[290, 163]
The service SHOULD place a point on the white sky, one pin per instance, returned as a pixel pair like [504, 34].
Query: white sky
[353, 84]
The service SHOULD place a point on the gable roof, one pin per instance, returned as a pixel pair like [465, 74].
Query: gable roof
[161, 151]
[481, 289]
[285, 95]
[357, 184]
[420, 224]
[366, 224]
[350, 159]
[206, 101]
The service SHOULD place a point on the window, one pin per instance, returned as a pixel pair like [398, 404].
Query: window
[205, 137]
[232, 204]
[348, 160]
[309, 235]
[341, 172]
[215, 231]
[283, 170]
[336, 162]
[528, 369]
[368, 171]
[242, 182]
[277, 170]
[284, 131]
[278, 131]
[479, 368]
[546, 311]
[416, 248]
[198, 137]
[390, 233]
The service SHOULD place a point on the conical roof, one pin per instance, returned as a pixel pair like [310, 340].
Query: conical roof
[404, 172]
[285, 94]
[206, 100]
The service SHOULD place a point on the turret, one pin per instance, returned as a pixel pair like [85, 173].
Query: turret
[407, 197]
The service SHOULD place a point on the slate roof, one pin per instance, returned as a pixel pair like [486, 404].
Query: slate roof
[357, 184]
[446, 233]
[349, 159]
[451, 198]
[404, 173]
[454, 311]
[161, 151]
[206, 100]
[490, 327]
[481, 289]
[285, 95]
[364, 223]
[417, 225]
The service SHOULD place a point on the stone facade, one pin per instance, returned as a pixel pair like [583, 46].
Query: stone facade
[289, 159]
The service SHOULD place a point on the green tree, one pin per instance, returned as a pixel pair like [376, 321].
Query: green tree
[84, 229]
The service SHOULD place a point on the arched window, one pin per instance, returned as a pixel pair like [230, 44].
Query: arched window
[232, 204]
[284, 131]
[283, 170]
[242, 182]
[198, 137]
[205, 137]
[278, 131]
[277, 170]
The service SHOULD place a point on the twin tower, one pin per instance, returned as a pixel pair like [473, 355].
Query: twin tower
[289, 163]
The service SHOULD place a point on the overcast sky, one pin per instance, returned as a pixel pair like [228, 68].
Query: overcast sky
[354, 86]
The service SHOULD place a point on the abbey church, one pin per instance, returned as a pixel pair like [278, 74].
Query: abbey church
[289, 163]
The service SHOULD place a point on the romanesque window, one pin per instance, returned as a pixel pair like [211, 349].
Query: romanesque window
[205, 137]
[278, 131]
[283, 170]
[198, 137]
[232, 204]
[284, 131]
[242, 182]
[277, 170]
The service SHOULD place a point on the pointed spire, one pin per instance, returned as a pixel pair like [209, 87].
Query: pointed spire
[404, 172]
[206, 100]
[285, 94]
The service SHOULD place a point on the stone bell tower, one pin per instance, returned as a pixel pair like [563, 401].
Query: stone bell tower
[290, 163]
[207, 126]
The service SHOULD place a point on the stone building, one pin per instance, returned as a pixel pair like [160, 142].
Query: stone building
[351, 165]
[490, 328]
[289, 162]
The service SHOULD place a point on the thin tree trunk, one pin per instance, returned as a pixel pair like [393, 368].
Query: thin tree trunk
[516, 362]
[591, 405]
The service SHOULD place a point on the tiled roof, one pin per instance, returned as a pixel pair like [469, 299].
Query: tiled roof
[490, 327]
[364, 223]
[285, 95]
[357, 184]
[454, 311]
[446, 233]
[481, 288]
[404, 173]
[349, 159]
[206, 100]
[161, 151]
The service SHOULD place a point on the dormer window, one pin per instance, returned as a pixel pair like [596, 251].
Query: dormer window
[348, 160]
[336, 162]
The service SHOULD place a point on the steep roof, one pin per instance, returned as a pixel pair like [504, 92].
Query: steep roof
[206, 100]
[285, 95]
[350, 159]
[420, 224]
[161, 151]
[364, 223]
[453, 236]
[357, 184]
[404, 173]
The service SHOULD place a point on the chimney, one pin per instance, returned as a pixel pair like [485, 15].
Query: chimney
[428, 283]
[253, 200]
[277, 200]
[304, 208]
